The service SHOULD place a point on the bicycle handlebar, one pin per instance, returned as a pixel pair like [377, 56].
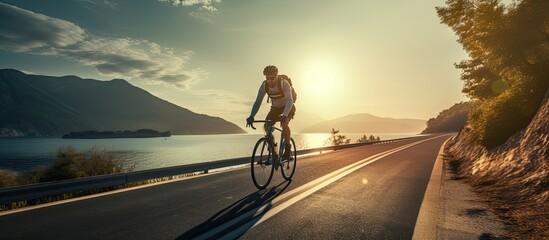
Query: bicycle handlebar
[265, 121]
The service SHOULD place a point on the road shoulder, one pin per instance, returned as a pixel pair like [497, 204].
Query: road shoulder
[452, 210]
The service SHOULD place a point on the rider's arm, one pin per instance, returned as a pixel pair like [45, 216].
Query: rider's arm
[258, 100]
[288, 96]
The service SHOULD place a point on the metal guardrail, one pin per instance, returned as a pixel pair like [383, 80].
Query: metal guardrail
[39, 190]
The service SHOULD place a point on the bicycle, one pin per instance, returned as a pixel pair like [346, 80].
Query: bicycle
[266, 160]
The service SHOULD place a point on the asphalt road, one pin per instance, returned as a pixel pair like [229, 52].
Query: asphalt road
[369, 192]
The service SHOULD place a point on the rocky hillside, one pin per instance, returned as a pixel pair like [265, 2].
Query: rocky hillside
[33, 105]
[515, 174]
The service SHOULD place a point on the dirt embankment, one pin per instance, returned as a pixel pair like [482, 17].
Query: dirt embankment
[514, 177]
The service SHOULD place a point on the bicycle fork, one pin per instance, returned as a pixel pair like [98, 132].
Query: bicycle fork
[279, 161]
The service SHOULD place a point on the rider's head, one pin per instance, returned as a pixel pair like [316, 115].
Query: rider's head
[271, 73]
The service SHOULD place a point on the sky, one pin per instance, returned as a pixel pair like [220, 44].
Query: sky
[387, 58]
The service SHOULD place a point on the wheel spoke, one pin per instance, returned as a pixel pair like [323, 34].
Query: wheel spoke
[289, 164]
[260, 169]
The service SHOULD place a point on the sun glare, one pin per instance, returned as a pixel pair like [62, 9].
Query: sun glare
[320, 78]
[319, 87]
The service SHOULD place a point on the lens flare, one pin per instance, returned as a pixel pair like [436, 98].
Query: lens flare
[499, 86]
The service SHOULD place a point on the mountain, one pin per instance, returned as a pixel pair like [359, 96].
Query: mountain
[451, 119]
[304, 119]
[367, 123]
[33, 105]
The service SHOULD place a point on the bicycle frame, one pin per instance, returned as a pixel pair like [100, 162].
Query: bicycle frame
[271, 157]
[270, 137]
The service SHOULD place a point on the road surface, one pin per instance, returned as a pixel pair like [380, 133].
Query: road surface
[369, 192]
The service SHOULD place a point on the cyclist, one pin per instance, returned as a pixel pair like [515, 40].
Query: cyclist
[282, 103]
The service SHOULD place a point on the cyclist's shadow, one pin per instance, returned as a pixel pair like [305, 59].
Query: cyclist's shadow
[244, 208]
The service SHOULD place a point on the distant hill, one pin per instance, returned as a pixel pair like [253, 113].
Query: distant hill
[304, 119]
[450, 120]
[367, 123]
[33, 105]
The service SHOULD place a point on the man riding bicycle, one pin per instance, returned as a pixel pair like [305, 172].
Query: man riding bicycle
[280, 92]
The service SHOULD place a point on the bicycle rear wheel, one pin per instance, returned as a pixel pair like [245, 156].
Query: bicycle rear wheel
[288, 165]
[262, 164]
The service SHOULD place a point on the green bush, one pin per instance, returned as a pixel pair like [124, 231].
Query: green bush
[337, 139]
[71, 163]
[366, 139]
[507, 70]
[450, 120]
[7, 178]
[31, 177]
[497, 119]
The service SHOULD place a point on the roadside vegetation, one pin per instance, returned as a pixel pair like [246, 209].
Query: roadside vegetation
[507, 75]
[507, 70]
[7, 178]
[337, 139]
[69, 163]
[450, 120]
[365, 139]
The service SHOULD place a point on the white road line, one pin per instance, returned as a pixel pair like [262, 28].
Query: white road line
[297, 195]
[346, 171]
[426, 222]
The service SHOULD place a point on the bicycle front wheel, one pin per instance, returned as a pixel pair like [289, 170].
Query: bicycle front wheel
[262, 165]
[288, 165]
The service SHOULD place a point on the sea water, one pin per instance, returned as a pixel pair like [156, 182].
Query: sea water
[24, 154]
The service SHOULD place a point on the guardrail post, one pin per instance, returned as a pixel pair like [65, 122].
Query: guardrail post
[208, 167]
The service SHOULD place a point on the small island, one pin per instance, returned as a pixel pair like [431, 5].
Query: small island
[141, 133]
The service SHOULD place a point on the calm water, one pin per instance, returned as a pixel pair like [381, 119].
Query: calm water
[23, 154]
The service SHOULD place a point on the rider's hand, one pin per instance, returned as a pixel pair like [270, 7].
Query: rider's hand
[283, 119]
[249, 121]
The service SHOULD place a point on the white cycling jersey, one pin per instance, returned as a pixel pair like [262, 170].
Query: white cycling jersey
[286, 102]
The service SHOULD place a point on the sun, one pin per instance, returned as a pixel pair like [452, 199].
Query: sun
[320, 78]
[319, 86]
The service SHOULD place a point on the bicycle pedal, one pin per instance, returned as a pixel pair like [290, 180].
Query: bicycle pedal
[266, 162]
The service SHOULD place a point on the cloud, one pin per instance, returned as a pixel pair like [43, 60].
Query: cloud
[223, 97]
[209, 8]
[206, 5]
[23, 30]
[28, 32]
[228, 105]
[108, 3]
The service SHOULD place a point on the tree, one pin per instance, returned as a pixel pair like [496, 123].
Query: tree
[337, 139]
[450, 120]
[366, 139]
[507, 70]
[363, 139]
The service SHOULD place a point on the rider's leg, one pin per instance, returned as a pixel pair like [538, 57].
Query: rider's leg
[286, 132]
[272, 116]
